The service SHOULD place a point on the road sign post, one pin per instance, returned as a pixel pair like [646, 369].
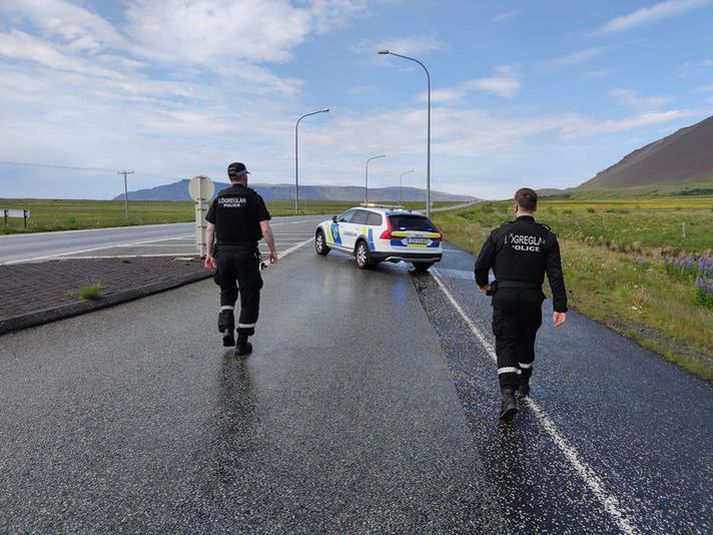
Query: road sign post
[16, 212]
[201, 189]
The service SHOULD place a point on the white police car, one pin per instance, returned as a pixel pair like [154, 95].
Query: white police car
[374, 233]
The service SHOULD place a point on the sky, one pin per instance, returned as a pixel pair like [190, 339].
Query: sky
[540, 94]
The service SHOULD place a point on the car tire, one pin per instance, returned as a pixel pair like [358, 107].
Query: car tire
[422, 267]
[320, 243]
[362, 255]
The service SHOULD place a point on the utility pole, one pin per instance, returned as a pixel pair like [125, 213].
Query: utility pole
[126, 191]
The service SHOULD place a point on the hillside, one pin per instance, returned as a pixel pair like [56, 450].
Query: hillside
[682, 158]
[178, 191]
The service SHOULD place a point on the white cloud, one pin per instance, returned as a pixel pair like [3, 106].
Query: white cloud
[575, 58]
[588, 127]
[694, 68]
[405, 45]
[505, 15]
[649, 14]
[505, 83]
[76, 26]
[506, 87]
[212, 32]
[498, 85]
[595, 73]
[631, 99]
[19, 45]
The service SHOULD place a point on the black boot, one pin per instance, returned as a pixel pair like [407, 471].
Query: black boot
[509, 405]
[524, 389]
[226, 325]
[244, 347]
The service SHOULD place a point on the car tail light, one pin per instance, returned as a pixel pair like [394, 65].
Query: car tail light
[440, 234]
[386, 235]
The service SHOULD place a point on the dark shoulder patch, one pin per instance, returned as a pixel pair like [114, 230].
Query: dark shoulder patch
[506, 223]
[547, 227]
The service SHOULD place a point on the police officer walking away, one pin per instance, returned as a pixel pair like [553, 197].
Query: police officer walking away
[519, 253]
[238, 219]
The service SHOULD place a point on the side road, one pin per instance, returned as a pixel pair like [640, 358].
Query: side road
[39, 292]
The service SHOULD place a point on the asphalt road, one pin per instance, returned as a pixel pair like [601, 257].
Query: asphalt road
[179, 237]
[369, 405]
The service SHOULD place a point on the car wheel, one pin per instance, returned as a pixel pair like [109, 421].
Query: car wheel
[422, 267]
[320, 243]
[362, 255]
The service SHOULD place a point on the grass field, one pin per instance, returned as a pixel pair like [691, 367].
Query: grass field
[614, 255]
[49, 215]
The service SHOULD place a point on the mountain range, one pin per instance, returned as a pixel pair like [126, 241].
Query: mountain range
[178, 191]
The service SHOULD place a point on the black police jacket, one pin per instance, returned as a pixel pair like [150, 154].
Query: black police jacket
[521, 251]
[236, 212]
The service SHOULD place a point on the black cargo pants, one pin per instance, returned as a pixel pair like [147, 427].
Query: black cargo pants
[238, 273]
[517, 314]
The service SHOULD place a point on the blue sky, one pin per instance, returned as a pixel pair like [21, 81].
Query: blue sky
[543, 94]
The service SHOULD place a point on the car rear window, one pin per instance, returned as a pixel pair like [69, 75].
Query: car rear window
[411, 222]
[374, 219]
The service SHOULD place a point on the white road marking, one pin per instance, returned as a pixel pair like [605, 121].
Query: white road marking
[456, 273]
[591, 479]
[80, 251]
[293, 248]
[123, 227]
[149, 255]
[178, 253]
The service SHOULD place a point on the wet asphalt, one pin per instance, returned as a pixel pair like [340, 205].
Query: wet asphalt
[640, 425]
[367, 406]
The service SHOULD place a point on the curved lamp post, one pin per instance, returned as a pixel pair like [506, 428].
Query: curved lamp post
[401, 184]
[366, 176]
[297, 169]
[428, 142]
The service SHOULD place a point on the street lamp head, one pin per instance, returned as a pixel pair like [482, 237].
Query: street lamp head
[384, 51]
[325, 110]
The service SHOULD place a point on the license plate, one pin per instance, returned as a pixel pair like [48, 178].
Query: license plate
[418, 241]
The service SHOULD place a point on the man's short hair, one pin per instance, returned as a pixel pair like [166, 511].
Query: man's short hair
[526, 199]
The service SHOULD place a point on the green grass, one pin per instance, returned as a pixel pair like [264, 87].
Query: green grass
[686, 187]
[626, 225]
[49, 215]
[86, 293]
[612, 255]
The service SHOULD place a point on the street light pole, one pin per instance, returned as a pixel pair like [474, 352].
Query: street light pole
[297, 169]
[428, 142]
[401, 184]
[366, 176]
[126, 191]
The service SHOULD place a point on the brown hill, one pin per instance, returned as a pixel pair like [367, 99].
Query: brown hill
[685, 155]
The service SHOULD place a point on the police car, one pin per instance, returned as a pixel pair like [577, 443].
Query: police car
[377, 233]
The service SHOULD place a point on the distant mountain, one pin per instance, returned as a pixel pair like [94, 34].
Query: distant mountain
[178, 191]
[684, 157]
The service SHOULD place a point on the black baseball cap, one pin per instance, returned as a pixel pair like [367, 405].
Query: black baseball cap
[236, 169]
